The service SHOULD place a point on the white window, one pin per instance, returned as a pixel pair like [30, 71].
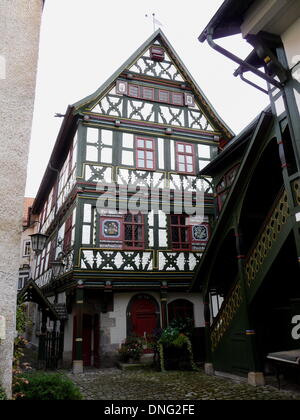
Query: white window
[26, 248]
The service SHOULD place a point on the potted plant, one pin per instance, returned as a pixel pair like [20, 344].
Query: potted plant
[131, 350]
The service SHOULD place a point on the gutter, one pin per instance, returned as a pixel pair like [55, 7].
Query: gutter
[242, 63]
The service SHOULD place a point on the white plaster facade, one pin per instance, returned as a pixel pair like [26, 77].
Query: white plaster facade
[113, 324]
[20, 28]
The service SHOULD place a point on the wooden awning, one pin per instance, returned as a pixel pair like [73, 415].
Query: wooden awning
[32, 293]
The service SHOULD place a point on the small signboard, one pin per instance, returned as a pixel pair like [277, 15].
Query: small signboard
[2, 327]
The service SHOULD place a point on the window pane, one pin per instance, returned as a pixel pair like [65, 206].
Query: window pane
[164, 96]
[91, 153]
[188, 149]
[149, 155]
[133, 90]
[92, 135]
[106, 155]
[177, 98]
[181, 158]
[141, 154]
[189, 159]
[128, 141]
[106, 137]
[147, 93]
[189, 168]
[140, 143]
[182, 167]
[149, 144]
[150, 164]
[137, 232]
[128, 232]
[127, 158]
[128, 217]
[180, 148]
[141, 163]
[203, 151]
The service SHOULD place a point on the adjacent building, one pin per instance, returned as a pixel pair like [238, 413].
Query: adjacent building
[249, 271]
[126, 216]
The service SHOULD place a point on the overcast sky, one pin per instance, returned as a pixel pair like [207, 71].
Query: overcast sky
[84, 41]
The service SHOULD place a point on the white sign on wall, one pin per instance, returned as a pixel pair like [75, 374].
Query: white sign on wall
[2, 327]
[296, 329]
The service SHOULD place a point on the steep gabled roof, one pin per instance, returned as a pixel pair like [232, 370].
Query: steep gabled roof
[210, 112]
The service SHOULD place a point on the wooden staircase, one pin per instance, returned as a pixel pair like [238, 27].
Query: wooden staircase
[259, 260]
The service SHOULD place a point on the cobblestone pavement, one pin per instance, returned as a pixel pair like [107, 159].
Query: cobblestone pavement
[115, 384]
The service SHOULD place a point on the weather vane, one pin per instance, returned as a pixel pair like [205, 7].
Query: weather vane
[155, 21]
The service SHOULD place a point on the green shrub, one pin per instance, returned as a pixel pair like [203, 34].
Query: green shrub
[45, 386]
[2, 394]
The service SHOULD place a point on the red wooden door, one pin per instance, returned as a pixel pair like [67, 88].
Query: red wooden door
[143, 316]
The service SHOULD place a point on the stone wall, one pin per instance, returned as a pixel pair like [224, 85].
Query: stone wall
[19, 31]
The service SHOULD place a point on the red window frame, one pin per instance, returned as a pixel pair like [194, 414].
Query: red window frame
[181, 240]
[185, 155]
[133, 224]
[145, 150]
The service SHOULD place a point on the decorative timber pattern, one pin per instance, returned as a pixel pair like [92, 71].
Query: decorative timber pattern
[185, 183]
[178, 261]
[164, 69]
[267, 238]
[296, 191]
[116, 260]
[96, 259]
[98, 173]
[140, 178]
[225, 316]
[135, 109]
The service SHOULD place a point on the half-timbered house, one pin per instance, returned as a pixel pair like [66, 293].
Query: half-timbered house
[119, 203]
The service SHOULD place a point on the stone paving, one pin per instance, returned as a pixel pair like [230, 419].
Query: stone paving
[115, 384]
